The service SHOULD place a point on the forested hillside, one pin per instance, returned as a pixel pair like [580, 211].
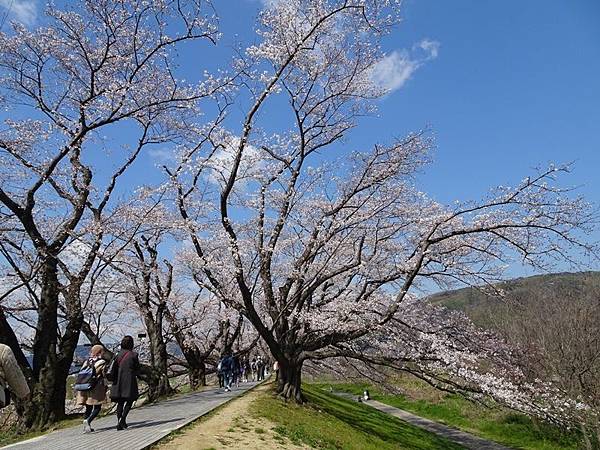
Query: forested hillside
[553, 319]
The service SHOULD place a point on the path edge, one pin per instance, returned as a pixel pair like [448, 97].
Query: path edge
[487, 443]
[199, 417]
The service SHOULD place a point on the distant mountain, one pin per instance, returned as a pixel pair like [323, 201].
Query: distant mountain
[483, 309]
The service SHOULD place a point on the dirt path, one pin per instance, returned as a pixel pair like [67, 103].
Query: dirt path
[232, 427]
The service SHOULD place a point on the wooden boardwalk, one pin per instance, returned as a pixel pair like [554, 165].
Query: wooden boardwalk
[147, 425]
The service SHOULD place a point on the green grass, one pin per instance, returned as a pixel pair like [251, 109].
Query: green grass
[11, 436]
[330, 422]
[497, 424]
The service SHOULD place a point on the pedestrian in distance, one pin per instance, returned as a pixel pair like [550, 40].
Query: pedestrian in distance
[236, 371]
[228, 371]
[11, 377]
[260, 367]
[243, 370]
[247, 370]
[276, 370]
[124, 370]
[91, 386]
[253, 369]
[220, 373]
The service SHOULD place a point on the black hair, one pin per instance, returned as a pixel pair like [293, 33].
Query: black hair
[127, 343]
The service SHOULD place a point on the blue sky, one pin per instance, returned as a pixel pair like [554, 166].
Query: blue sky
[510, 86]
[515, 85]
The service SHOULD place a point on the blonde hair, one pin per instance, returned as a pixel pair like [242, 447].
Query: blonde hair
[97, 350]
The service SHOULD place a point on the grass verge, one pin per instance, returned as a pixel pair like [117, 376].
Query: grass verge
[330, 422]
[12, 436]
[497, 424]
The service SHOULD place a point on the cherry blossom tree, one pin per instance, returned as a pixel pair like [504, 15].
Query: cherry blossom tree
[446, 350]
[203, 327]
[99, 66]
[320, 250]
[148, 284]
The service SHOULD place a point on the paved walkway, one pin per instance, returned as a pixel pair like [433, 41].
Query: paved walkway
[147, 424]
[460, 437]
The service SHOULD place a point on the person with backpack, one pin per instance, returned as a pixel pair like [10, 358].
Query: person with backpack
[124, 369]
[91, 386]
[11, 377]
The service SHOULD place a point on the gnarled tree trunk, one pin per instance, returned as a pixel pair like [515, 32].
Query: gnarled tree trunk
[51, 359]
[158, 381]
[197, 375]
[289, 384]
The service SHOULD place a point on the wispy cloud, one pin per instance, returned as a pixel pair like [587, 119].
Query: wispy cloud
[432, 48]
[25, 11]
[396, 68]
[161, 155]
[268, 4]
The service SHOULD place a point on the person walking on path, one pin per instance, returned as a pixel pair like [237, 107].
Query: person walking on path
[11, 376]
[260, 368]
[228, 371]
[220, 373]
[276, 370]
[93, 398]
[124, 390]
[247, 370]
[253, 369]
[236, 371]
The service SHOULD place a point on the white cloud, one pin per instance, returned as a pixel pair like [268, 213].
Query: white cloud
[432, 48]
[221, 163]
[393, 70]
[396, 68]
[269, 3]
[161, 155]
[25, 11]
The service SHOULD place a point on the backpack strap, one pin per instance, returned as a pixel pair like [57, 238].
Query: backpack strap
[123, 357]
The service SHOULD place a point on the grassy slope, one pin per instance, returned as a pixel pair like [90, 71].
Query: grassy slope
[329, 422]
[498, 424]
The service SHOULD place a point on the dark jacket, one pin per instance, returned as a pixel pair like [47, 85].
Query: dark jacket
[125, 387]
[227, 364]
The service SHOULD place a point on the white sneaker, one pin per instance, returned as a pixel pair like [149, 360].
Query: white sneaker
[86, 426]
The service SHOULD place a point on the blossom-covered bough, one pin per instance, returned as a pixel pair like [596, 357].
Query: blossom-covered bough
[323, 249]
[444, 349]
[98, 66]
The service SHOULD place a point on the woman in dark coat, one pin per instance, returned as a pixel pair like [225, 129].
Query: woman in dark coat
[124, 390]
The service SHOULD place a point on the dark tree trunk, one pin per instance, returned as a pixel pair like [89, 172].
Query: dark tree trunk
[158, 385]
[197, 375]
[51, 359]
[8, 337]
[158, 352]
[289, 384]
[47, 403]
